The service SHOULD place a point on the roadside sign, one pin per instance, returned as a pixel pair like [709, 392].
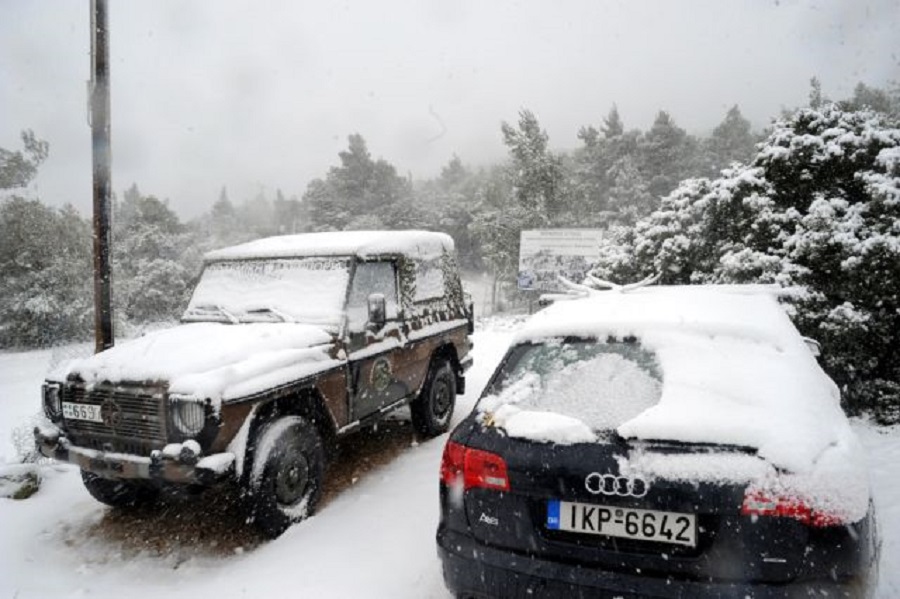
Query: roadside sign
[546, 254]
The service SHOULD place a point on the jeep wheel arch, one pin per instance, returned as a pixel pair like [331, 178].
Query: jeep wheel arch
[307, 404]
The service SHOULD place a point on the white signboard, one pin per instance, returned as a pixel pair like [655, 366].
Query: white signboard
[546, 254]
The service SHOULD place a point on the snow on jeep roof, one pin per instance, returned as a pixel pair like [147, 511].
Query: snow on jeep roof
[420, 244]
[735, 370]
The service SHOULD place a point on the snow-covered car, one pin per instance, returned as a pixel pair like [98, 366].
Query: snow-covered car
[660, 442]
[287, 344]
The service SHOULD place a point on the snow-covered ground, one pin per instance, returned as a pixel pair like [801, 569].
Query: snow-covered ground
[375, 538]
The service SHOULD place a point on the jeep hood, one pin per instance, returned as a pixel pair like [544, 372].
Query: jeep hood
[213, 360]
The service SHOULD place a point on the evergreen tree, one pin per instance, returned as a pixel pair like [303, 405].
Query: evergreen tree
[535, 172]
[150, 281]
[223, 218]
[731, 141]
[629, 198]
[666, 154]
[45, 259]
[287, 214]
[875, 99]
[45, 274]
[361, 192]
[17, 169]
[816, 98]
[612, 124]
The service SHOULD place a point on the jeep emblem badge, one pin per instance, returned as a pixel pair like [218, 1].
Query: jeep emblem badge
[381, 374]
[111, 414]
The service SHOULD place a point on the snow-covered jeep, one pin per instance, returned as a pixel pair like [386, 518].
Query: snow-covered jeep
[287, 344]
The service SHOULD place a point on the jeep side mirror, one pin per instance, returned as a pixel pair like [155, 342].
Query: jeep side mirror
[377, 310]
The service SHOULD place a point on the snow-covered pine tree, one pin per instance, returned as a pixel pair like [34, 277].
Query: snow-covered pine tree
[45, 258]
[360, 193]
[818, 209]
[150, 282]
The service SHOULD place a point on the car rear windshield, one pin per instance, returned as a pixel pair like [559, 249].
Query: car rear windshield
[601, 383]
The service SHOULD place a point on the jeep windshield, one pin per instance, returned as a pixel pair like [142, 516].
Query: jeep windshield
[308, 290]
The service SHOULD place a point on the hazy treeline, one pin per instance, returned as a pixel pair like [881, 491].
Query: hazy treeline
[661, 193]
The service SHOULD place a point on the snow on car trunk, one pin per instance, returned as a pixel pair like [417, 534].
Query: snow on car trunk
[734, 372]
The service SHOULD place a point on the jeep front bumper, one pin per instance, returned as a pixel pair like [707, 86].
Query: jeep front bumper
[174, 464]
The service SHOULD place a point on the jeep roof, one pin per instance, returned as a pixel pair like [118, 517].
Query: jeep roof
[416, 244]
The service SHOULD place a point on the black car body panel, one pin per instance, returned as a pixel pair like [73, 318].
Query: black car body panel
[734, 553]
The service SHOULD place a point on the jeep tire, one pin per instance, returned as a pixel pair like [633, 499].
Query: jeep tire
[117, 492]
[286, 480]
[432, 409]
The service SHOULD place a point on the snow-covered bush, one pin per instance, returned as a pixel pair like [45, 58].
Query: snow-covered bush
[45, 274]
[818, 209]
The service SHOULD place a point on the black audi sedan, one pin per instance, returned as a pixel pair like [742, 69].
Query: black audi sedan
[661, 442]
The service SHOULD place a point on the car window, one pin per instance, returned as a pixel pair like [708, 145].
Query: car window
[371, 277]
[603, 384]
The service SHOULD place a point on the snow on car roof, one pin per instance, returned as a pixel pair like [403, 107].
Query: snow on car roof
[744, 311]
[421, 244]
[735, 370]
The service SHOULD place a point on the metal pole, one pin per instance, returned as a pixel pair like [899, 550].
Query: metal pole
[102, 159]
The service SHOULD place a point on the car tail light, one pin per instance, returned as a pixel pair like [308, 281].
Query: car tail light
[762, 503]
[476, 468]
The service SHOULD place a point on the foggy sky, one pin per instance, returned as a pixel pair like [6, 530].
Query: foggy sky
[262, 95]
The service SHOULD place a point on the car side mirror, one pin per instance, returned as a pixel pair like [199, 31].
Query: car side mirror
[377, 310]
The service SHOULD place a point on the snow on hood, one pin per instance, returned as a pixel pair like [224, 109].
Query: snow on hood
[212, 360]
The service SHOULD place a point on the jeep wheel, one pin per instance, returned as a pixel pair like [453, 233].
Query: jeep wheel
[431, 411]
[286, 480]
[118, 493]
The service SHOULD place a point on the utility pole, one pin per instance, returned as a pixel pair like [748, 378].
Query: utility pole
[102, 161]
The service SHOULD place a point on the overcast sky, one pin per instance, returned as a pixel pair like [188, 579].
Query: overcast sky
[262, 95]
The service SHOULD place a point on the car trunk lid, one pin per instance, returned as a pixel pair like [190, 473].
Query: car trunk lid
[591, 504]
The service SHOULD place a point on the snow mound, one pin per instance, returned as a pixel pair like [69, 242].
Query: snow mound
[735, 370]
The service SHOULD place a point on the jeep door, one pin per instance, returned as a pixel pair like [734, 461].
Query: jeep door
[374, 350]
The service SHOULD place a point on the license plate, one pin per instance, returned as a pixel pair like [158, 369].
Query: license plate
[81, 411]
[627, 523]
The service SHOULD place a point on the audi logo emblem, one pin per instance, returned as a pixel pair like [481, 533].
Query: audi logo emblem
[610, 484]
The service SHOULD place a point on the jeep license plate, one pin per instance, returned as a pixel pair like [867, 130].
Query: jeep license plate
[81, 411]
[627, 523]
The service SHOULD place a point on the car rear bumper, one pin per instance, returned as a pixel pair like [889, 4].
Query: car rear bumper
[474, 570]
[163, 466]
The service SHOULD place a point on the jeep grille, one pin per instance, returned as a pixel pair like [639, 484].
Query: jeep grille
[139, 428]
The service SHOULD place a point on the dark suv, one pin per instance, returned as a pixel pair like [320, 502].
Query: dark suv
[287, 344]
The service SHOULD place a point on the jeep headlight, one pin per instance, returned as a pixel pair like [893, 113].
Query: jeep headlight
[188, 415]
[52, 400]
